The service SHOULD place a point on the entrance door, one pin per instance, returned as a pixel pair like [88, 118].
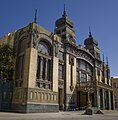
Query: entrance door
[60, 99]
[81, 100]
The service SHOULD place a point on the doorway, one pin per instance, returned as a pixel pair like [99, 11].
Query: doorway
[60, 99]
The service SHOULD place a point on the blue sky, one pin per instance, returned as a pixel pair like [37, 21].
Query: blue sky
[100, 15]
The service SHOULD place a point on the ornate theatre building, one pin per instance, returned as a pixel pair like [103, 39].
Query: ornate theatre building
[53, 73]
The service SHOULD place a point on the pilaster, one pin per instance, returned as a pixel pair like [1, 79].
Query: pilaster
[55, 74]
[97, 98]
[41, 67]
[109, 94]
[30, 67]
[103, 99]
[46, 63]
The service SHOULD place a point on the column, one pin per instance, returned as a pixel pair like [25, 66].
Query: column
[46, 64]
[103, 99]
[87, 77]
[97, 98]
[109, 102]
[41, 67]
[113, 101]
[79, 76]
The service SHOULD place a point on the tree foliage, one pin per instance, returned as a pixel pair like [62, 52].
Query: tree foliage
[6, 62]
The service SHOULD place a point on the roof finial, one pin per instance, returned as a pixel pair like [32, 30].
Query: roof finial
[103, 58]
[90, 35]
[35, 18]
[107, 60]
[64, 12]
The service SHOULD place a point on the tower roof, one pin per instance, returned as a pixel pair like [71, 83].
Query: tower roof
[90, 39]
[64, 20]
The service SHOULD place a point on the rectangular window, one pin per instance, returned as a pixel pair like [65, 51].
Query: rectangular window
[83, 77]
[61, 71]
[61, 55]
[77, 63]
[77, 76]
[89, 69]
[82, 65]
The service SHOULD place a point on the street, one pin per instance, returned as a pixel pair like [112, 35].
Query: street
[76, 115]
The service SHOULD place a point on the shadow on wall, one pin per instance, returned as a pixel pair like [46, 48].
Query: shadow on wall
[6, 92]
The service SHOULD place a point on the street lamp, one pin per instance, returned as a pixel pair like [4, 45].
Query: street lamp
[89, 89]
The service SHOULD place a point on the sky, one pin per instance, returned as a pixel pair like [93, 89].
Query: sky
[100, 15]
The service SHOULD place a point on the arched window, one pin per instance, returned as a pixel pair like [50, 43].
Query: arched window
[82, 65]
[44, 66]
[44, 48]
[84, 71]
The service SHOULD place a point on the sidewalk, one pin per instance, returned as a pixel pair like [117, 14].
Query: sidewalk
[110, 112]
[72, 115]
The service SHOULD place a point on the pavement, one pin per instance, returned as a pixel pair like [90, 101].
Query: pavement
[72, 115]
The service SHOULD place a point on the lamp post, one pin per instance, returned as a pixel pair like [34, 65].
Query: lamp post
[89, 89]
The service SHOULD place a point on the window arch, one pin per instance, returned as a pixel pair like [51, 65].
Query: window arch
[44, 63]
[44, 48]
[84, 71]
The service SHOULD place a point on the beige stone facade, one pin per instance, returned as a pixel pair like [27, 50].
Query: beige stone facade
[53, 73]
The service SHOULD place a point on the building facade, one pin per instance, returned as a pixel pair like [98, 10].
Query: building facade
[115, 89]
[53, 73]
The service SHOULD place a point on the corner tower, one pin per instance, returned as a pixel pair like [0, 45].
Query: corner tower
[92, 45]
[64, 28]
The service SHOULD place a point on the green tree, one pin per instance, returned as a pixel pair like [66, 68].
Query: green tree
[6, 62]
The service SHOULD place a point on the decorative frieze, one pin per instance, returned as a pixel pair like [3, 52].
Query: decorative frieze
[40, 96]
[84, 55]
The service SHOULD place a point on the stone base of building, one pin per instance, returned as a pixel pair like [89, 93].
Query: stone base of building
[35, 108]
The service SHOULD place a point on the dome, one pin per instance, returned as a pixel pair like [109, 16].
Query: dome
[64, 20]
[90, 40]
